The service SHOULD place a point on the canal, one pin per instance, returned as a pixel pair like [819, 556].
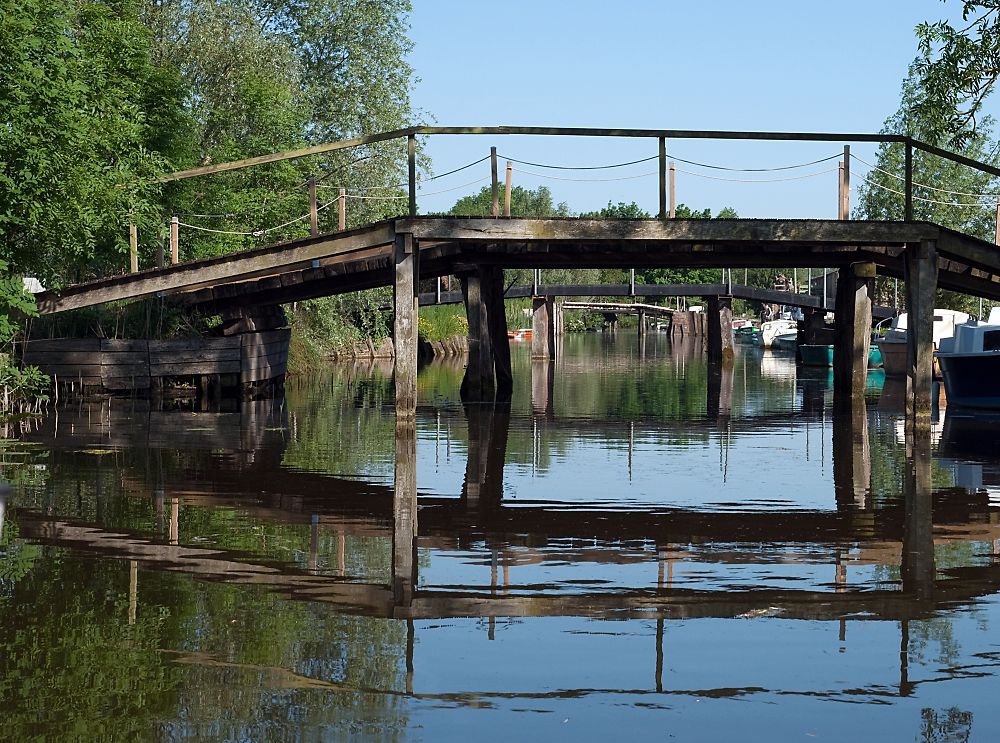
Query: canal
[636, 543]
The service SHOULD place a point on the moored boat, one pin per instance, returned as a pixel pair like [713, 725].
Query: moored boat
[970, 364]
[893, 345]
[773, 328]
[822, 355]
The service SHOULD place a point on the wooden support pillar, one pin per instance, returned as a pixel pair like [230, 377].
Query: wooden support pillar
[478, 383]
[405, 302]
[852, 464]
[507, 187]
[917, 565]
[491, 287]
[542, 330]
[921, 270]
[720, 329]
[342, 209]
[494, 185]
[853, 311]
[404, 513]
[673, 190]
[642, 323]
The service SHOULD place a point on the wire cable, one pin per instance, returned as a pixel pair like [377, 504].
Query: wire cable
[576, 167]
[925, 185]
[921, 198]
[583, 180]
[755, 170]
[756, 180]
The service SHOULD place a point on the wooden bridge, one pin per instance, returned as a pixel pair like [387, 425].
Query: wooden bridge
[403, 251]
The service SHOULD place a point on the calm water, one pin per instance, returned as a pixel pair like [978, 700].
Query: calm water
[635, 544]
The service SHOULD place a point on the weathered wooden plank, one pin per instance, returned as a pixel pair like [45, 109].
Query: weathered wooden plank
[124, 357]
[69, 357]
[217, 270]
[193, 344]
[118, 345]
[125, 370]
[63, 344]
[194, 368]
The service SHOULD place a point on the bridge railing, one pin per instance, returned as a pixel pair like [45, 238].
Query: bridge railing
[665, 167]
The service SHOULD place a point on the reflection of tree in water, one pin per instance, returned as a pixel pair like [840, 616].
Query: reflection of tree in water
[950, 725]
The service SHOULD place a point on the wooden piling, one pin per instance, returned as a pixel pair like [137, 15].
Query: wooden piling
[492, 289]
[478, 382]
[720, 329]
[855, 289]
[542, 330]
[342, 209]
[921, 271]
[405, 302]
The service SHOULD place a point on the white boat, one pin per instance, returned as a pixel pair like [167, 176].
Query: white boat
[774, 328]
[893, 345]
[970, 364]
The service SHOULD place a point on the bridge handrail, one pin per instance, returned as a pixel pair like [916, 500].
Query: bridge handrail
[410, 133]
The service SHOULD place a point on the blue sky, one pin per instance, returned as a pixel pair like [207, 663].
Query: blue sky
[767, 65]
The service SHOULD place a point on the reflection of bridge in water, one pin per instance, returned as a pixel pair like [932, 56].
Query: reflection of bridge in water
[244, 452]
[249, 475]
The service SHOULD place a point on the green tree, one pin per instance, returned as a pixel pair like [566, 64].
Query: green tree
[945, 192]
[524, 202]
[957, 70]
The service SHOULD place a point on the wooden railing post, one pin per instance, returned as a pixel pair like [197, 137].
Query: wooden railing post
[908, 182]
[313, 209]
[673, 190]
[663, 177]
[411, 165]
[507, 186]
[495, 207]
[846, 205]
[342, 209]
[133, 248]
[175, 229]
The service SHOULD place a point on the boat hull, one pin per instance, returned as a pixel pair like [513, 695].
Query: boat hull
[970, 380]
[822, 355]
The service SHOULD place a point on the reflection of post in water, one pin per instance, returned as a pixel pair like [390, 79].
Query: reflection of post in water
[313, 542]
[133, 589]
[542, 385]
[404, 513]
[175, 520]
[917, 568]
[720, 388]
[3, 506]
[852, 465]
[488, 429]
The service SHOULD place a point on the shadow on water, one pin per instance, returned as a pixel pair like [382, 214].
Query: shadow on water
[375, 543]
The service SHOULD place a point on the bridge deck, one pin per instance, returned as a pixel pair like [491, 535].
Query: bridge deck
[362, 258]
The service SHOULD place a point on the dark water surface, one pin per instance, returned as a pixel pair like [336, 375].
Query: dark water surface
[635, 547]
